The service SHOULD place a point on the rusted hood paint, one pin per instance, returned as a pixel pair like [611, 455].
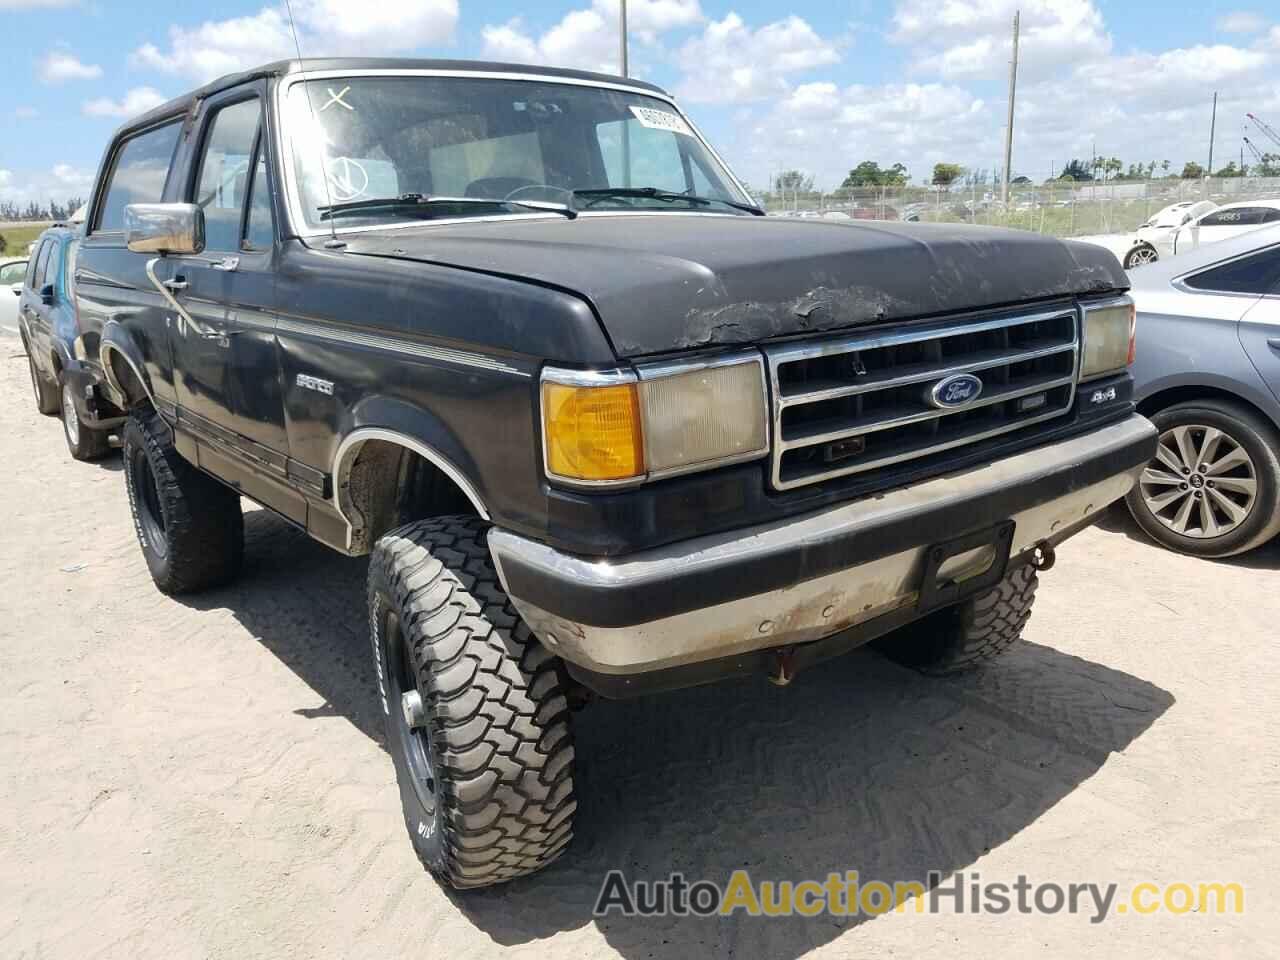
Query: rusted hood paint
[676, 282]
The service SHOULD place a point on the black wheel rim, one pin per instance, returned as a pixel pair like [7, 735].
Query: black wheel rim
[150, 513]
[414, 745]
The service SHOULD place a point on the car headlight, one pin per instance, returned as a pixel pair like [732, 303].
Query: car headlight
[623, 427]
[1109, 337]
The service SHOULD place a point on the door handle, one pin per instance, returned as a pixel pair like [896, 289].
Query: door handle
[176, 284]
[1274, 343]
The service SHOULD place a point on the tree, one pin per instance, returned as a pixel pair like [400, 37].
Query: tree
[1268, 166]
[1076, 170]
[4, 244]
[869, 174]
[1192, 170]
[945, 174]
[1230, 170]
[793, 181]
[1164, 165]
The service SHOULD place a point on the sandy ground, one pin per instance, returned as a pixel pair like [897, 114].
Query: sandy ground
[207, 778]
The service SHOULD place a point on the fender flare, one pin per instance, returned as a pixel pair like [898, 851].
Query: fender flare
[118, 341]
[414, 429]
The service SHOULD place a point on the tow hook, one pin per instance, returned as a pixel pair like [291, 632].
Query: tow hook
[784, 670]
[1043, 558]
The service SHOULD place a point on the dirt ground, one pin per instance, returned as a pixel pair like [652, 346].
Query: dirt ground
[206, 777]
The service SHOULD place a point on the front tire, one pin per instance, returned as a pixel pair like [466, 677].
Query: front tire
[83, 442]
[476, 709]
[46, 393]
[970, 633]
[189, 526]
[1140, 256]
[1213, 488]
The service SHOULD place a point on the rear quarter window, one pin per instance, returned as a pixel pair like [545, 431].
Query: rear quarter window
[139, 173]
[1256, 274]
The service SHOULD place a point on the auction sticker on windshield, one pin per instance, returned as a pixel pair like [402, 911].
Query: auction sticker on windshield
[661, 120]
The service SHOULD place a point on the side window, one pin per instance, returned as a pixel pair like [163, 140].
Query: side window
[51, 260]
[141, 168]
[259, 228]
[38, 264]
[1236, 217]
[224, 172]
[12, 273]
[1254, 275]
[655, 155]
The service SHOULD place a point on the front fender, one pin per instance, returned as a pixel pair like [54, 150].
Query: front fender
[123, 367]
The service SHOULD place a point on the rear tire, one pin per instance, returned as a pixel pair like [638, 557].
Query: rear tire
[969, 634]
[1140, 256]
[476, 712]
[84, 443]
[46, 393]
[189, 526]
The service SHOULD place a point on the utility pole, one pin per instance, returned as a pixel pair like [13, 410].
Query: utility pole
[1008, 132]
[622, 37]
[1213, 122]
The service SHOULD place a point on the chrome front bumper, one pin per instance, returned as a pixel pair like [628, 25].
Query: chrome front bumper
[808, 577]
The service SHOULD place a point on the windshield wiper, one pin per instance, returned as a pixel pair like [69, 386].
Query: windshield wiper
[666, 196]
[412, 201]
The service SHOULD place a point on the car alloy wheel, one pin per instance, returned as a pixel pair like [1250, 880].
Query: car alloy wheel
[1202, 482]
[1141, 256]
[70, 419]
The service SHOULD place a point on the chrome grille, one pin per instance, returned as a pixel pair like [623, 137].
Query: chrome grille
[861, 403]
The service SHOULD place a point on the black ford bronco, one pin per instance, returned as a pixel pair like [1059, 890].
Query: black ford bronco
[602, 426]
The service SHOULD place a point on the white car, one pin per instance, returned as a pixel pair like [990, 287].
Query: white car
[12, 272]
[1154, 239]
[1228, 220]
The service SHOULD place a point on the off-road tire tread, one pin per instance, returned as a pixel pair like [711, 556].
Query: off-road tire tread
[971, 633]
[500, 726]
[204, 525]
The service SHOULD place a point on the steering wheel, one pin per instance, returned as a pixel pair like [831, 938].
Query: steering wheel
[540, 186]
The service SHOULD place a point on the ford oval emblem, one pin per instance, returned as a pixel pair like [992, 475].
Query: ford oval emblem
[955, 391]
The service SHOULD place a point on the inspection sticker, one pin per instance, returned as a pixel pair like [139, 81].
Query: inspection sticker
[661, 120]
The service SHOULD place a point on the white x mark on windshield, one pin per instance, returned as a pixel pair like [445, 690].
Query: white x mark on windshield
[337, 98]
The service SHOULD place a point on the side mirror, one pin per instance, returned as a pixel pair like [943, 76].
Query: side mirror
[164, 228]
[17, 289]
[46, 294]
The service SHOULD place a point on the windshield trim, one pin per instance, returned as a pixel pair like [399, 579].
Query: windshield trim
[286, 168]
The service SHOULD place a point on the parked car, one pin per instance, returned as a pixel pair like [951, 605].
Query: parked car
[1228, 220]
[12, 270]
[1154, 239]
[590, 413]
[1208, 376]
[66, 371]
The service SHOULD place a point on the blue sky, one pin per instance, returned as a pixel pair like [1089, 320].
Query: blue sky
[815, 84]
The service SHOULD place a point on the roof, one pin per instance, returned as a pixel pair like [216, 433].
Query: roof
[1237, 204]
[284, 67]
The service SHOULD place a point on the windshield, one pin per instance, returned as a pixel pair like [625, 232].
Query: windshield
[367, 138]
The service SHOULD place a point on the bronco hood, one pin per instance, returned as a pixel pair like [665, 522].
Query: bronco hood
[670, 282]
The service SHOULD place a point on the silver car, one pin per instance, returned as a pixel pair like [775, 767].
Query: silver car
[1208, 375]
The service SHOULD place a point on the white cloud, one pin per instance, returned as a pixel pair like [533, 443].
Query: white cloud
[588, 38]
[731, 63]
[35, 4]
[325, 28]
[58, 67]
[60, 184]
[137, 101]
[25, 113]
[963, 38]
[1241, 21]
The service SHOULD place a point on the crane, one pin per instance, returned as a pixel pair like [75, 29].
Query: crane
[1257, 154]
[1265, 128]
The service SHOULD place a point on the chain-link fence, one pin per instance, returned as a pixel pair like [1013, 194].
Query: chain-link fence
[1060, 208]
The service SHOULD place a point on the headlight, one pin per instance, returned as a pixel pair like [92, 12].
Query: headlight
[612, 429]
[1109, 332]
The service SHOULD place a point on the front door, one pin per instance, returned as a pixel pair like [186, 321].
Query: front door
[224, 345]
